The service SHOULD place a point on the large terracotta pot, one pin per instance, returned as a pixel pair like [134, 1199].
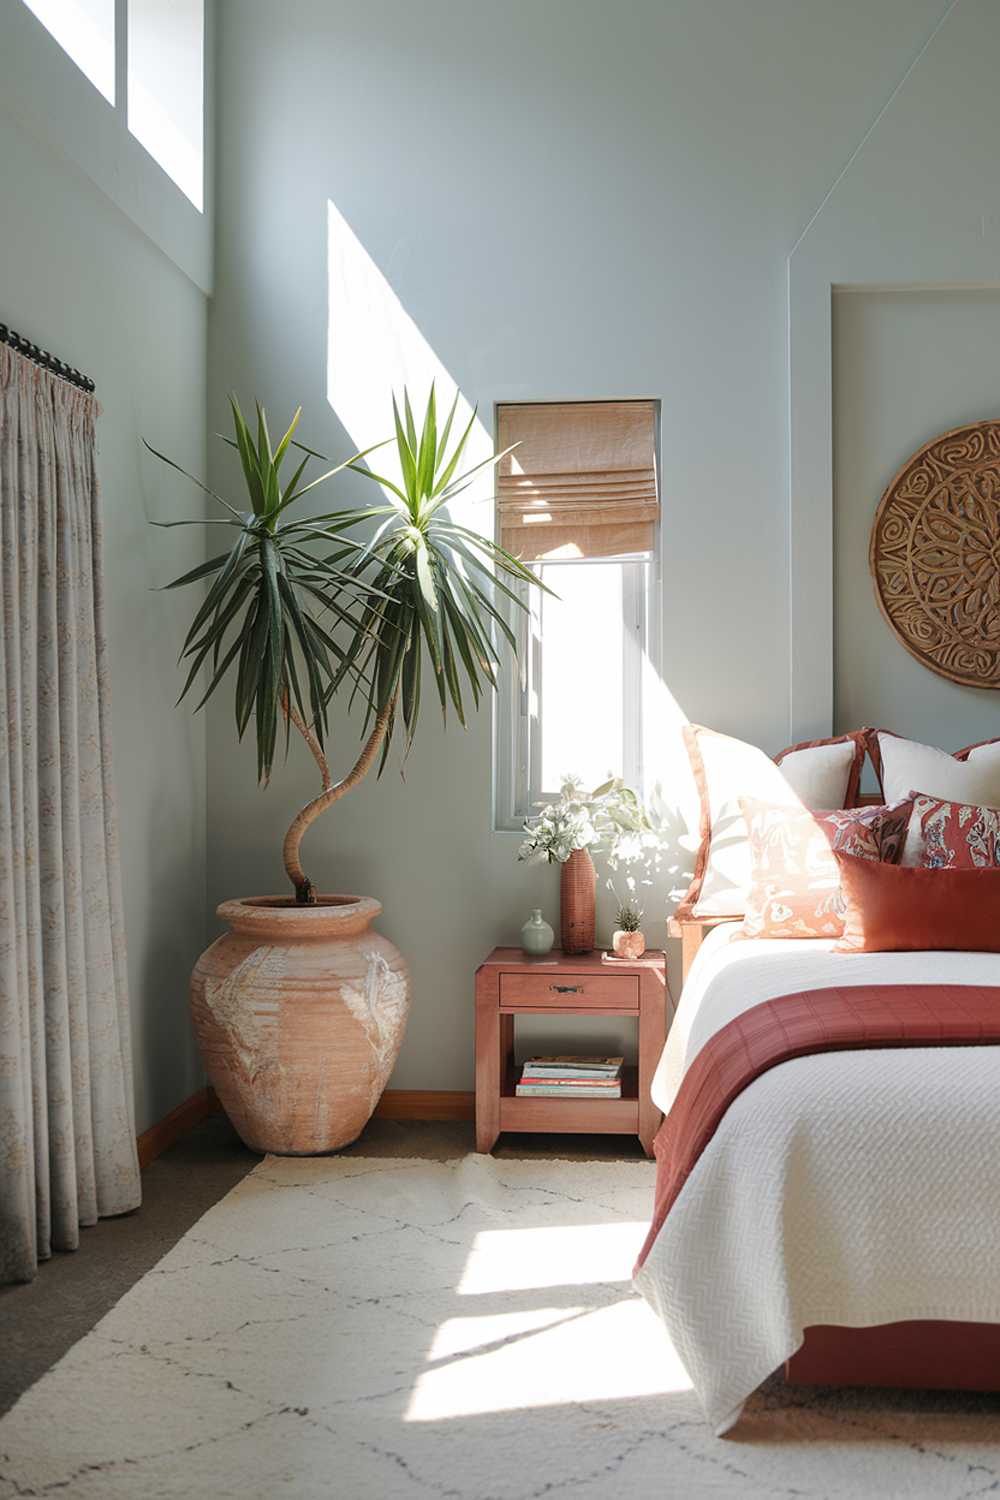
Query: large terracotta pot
[299, 1012]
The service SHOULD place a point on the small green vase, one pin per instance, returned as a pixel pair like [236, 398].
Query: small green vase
[537, 936]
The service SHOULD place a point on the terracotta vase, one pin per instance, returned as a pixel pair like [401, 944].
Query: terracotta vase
[578, 884]
[631, 945]
[299, 1012]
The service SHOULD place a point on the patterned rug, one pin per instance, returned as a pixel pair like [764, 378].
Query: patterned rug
[362, 1327]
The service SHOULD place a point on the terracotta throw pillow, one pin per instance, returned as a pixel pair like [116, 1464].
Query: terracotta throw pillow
[952, 836]
[892, 908]
[795, 880]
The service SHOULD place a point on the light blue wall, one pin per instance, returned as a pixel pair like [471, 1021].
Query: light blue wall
[79, 278]
[569, 199]
[907, 367]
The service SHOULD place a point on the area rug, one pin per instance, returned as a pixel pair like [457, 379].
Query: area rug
[362, 1327]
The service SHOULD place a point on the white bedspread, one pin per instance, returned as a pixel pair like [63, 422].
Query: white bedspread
[851, 1188]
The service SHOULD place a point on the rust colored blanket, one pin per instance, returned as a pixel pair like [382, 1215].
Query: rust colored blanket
[810, 1021]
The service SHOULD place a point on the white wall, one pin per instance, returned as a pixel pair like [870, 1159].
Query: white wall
[569, 200]
[79, 278]
[907, 366]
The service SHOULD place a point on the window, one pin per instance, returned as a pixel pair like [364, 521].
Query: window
[578, 502]
[85, 29]
[165, 67]
[166, 87]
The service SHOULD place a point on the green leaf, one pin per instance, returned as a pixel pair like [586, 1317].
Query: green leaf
[442, 447]
[248, 460]
[411, 429]
[407, 463]
[218, 675]
[282, 447]
[453, 461]
[427, 453]
[425, 578]
[201, 571]
[204, 487]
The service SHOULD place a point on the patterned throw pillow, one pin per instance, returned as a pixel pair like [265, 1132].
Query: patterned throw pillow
[952, 835]
[795, 880]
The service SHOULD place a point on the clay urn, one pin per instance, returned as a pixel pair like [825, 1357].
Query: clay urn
[299, 1012]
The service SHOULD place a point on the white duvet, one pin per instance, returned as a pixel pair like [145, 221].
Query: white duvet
[852, 1188]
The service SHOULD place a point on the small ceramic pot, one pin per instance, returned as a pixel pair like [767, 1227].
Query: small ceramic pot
[628, 944]
[537, 936]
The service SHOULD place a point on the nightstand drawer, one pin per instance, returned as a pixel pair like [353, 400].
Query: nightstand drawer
[575, 991]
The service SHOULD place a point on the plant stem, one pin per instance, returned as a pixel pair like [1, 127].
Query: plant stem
[331, 793]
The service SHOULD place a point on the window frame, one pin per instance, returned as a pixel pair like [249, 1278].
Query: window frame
[517, 737]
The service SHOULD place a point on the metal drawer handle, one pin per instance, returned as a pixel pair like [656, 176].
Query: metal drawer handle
[566, 989]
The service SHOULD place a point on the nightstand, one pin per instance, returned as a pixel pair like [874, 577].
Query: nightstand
[510, 984]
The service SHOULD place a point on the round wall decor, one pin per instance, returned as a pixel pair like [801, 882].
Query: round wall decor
[935, 554]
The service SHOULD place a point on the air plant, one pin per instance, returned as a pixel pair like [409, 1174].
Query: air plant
[629, 918]
[299, 606]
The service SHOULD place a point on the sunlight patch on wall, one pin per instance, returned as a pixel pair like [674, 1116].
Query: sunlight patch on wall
[374, 347]
[85, 29]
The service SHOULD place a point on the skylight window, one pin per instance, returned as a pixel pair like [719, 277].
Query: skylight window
[85, 29]
[166, 64]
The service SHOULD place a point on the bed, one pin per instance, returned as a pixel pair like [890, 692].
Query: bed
[839, 1192]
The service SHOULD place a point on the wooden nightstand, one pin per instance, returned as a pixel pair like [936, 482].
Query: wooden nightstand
[510, 984]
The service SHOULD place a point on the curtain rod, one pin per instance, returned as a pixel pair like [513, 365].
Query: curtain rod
[47, 361]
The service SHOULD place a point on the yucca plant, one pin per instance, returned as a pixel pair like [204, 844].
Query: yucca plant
[300, 607]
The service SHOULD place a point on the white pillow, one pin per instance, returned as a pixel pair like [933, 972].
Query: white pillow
[818, 776]
[971, 776]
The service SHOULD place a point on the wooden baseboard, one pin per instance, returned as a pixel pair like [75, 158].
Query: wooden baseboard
[426, 1104]
[189, 1113]
[395, 1104]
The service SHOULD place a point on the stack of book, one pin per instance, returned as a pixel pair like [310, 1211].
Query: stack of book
[571, 1078]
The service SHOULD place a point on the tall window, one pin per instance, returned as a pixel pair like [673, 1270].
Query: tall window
[166, 66]
[578, 502]
[85, 29]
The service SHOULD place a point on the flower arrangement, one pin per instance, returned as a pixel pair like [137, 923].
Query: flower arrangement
[611, 819]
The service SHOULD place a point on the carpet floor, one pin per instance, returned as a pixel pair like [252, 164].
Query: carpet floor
[374, 1326]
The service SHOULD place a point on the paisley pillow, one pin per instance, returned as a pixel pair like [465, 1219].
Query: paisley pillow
[952, 835]
[795, 879]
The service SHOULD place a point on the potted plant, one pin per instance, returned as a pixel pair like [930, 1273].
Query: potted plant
[299, 1009]
[568, 829]
[628, 940]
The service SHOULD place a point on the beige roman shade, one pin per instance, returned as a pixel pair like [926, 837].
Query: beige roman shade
[581, 483]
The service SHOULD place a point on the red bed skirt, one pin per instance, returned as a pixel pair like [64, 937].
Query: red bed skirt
[929, 1355]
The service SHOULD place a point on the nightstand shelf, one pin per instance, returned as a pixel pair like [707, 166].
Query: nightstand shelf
[510, 984]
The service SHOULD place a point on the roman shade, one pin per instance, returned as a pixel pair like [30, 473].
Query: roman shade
[582, 481]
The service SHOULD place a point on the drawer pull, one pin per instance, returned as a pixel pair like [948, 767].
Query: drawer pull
[567, 989]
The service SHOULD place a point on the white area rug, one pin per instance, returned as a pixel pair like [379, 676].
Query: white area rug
[359, 1328]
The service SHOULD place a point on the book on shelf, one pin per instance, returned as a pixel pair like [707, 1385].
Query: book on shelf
[584, 1068]
[571, 1077]
[569, 1089]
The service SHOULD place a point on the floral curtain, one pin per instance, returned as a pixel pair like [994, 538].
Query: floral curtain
[67, 1135]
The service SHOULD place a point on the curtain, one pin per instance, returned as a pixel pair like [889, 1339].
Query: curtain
[67, 1135]
[581, 482]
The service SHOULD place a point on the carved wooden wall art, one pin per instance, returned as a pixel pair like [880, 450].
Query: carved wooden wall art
[935, 555]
